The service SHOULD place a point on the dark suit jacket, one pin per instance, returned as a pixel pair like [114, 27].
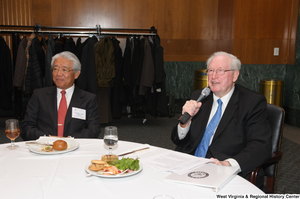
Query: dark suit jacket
[243, 133]
[41, 115]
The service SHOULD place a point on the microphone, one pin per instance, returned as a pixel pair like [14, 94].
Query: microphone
[185, 117]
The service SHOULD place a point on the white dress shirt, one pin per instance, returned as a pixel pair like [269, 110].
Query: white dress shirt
[69, 93]
[225, 99]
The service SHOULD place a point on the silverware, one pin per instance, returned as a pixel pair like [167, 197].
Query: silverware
[39, 143]
[134, 151]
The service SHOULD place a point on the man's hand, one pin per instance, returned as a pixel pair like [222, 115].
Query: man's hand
[192, 108]
[218, 162]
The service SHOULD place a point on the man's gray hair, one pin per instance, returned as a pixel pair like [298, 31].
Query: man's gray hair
[69, 56]
[235, 62]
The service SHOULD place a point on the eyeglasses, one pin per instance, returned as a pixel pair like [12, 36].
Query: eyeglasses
[62, 70]
[218, 71]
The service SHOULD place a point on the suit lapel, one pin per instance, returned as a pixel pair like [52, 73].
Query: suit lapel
[51, 101]
[228, 114]
[76, 101]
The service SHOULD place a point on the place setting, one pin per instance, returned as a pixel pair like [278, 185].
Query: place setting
[52, 145]
[111, 165]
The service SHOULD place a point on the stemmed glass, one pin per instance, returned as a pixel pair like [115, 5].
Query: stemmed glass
[110, 137]
[12, 131]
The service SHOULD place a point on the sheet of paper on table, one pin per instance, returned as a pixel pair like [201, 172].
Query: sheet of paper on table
[208, 175]
[174, 162]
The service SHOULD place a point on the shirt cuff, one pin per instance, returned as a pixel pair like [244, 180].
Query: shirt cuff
[182, 131]
[234, 163]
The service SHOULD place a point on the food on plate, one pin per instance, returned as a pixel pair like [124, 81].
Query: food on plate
[60, 145]
[111, 170]
[96, 167]
[126, 163]
[47, 148]
[109, 158]
[98, 162]
[114, 167]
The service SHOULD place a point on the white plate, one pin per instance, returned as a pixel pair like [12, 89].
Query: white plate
[72, 145]
[95, 173]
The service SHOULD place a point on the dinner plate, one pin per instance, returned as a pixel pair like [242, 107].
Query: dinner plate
[72, 145]
[95, 173]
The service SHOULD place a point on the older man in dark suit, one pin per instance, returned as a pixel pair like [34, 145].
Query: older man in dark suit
[62, 110]
[241, 135]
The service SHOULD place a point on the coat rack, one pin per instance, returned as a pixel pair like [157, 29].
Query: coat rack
[76, 31]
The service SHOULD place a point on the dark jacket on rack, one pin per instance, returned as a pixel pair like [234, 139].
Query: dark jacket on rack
[127, 95]
[118, 82]
[160, 76]
[49, 55]
[105, 69]
[147, 77]
[6, 88]
[87, 79]
[36, 67]
[20, 64]
[138, 66]
[105, 62]
[79, 47]
[60, 45]
[70, 45]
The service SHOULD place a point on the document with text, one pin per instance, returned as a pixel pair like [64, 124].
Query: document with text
[174, 162]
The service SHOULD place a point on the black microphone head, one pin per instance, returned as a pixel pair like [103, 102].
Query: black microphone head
[205, 91]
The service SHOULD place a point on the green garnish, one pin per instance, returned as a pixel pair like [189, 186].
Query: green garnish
[126, 163]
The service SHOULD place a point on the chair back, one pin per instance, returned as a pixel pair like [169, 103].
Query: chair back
[276, 116]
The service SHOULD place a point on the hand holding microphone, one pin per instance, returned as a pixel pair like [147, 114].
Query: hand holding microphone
[186, 116]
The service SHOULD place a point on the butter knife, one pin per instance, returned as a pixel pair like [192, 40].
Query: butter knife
[122, 154]
[39, 143]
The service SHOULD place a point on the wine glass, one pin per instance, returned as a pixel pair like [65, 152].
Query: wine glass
[110, 137]
[12, 131]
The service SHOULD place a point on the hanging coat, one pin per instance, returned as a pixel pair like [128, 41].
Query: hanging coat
[49, 55]
[87, 79]
[6, 84]
[118, 82]
[34, 74]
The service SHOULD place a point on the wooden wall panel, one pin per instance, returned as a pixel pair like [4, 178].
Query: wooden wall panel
[190, 30]
[15, 12]
[107, 13]
[260, 26]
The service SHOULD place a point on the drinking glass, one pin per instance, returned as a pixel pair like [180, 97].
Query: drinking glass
[110, 137]
[12, 131]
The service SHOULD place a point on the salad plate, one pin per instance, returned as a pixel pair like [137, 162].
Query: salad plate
[100, 174]
[37, 148]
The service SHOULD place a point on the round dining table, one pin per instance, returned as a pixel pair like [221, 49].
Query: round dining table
[27, 174]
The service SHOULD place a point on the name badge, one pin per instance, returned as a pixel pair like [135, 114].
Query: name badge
[78, 113]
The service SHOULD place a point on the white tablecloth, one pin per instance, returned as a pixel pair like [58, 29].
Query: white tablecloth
[24, 174]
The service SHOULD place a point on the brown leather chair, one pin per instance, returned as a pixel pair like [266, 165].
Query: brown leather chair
[276, 118]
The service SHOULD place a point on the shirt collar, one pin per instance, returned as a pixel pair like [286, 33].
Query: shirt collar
[225, 99]
[68, 91]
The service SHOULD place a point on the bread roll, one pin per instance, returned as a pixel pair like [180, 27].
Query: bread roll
[60, 145]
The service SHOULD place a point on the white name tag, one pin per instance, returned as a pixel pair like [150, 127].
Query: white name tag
[78, 113]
